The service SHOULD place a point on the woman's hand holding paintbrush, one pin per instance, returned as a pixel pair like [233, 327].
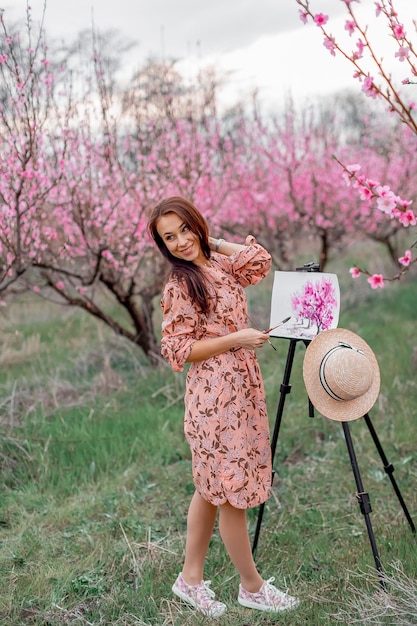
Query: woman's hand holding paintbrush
[266, 332]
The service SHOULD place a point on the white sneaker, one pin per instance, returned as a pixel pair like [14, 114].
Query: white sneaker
[268, 598]
[201, 597]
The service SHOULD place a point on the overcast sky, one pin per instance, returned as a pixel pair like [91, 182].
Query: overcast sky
[219, 25]
[262, 43]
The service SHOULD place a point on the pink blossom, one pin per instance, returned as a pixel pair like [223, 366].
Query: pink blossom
[377, 280]
[387, 200]
[406, 259]
[303, 16]
[354, 272]
[36, 289]
[399, 31]
[402, 53]
[346, 177]
[359, 49]
[403, 203]
[59, 285]
[369, 87]
[320, 19]
[354, 167]
[412, 105]
[365, 193]
[406, 218]
[372, 183]
[350, 27]
[329, 43]
[349, 173]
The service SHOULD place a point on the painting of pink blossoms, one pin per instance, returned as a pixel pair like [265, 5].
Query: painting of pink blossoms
[310, 299]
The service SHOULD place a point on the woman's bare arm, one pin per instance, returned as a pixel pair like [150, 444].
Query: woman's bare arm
[248, 338]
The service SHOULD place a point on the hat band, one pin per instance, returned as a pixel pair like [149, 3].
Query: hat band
[323, 380]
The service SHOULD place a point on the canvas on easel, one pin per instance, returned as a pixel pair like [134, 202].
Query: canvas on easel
[311, 299]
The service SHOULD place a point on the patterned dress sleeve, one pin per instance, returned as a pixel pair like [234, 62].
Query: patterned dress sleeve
[249, 266]
[181, 325]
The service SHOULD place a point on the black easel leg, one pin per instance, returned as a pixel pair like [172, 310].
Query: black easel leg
[363, 500]
[389, 469]
[285, 390]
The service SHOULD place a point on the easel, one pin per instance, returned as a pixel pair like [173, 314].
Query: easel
[361, 495]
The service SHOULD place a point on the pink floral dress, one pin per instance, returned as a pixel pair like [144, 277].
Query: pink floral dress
[226, 421]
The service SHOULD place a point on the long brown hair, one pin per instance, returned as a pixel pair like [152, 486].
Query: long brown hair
[184, 270]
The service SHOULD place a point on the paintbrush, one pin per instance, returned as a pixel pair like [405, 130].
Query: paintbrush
[284, 321]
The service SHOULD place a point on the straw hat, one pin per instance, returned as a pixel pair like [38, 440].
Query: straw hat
[341, 375]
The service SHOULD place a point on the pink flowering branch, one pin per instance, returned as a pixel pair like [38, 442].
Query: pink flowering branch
[378, 280]
[405, 52]
[389, 203]
[386, 200]
[370, 190]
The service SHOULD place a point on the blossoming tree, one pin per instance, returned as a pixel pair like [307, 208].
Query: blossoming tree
[290, 186]
[77, 179]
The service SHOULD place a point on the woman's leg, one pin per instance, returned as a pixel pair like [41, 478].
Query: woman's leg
[200, 523]
[235, 536]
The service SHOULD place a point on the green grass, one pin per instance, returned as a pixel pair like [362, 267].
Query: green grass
[96, 475]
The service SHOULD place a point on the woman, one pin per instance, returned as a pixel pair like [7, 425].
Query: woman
[226, 424]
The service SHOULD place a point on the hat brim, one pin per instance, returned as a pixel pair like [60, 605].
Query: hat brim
[338, 410]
